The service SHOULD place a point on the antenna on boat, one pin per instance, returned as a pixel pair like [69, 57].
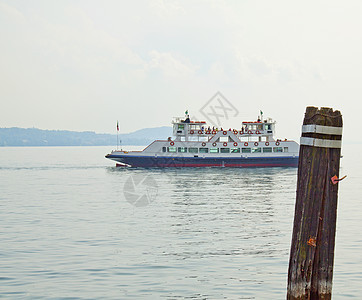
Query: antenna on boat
[117, 133]
[187, 116]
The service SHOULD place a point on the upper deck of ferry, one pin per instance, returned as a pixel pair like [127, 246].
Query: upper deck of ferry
[186, 130]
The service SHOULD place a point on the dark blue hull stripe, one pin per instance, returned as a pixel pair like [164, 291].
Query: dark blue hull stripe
[151, 161]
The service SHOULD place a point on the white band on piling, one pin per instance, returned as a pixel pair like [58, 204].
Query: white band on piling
[307, 141]
[322, 129]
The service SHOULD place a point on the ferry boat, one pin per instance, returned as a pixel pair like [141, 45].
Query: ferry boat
[194, 144]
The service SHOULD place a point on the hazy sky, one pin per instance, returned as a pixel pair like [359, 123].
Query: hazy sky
[81, 65]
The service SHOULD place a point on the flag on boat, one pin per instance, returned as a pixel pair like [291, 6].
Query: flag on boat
[261, 113]
[117, 126]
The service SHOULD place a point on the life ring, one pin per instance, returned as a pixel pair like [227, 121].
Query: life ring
[277, 144]
[200, 132]
[235, 131]
[214, 132]
[241, 132]
[203, 144]
[246, 144]
[256, 144]
[172, 143]
[208, 132]
[257, 132]
[250, 132]
[235, 144]
[224, 132]
[266, 143]
[214, 144]
[224, 144]
[191, 132]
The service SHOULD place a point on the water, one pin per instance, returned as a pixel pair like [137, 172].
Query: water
[72, 226]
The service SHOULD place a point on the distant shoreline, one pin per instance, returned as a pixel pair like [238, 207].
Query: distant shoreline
[33, 137]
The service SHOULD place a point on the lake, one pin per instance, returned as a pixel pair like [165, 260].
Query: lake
[73, 226]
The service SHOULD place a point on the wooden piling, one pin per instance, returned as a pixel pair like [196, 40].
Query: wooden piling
[312, 249]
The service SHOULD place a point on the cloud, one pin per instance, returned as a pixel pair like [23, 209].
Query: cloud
[167, 8]
[170, 65]
[257, 67]
[11, 12]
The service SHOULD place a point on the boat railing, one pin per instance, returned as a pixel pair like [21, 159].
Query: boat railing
[225, 132]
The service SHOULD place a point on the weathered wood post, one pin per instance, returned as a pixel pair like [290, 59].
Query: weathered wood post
[312, 249]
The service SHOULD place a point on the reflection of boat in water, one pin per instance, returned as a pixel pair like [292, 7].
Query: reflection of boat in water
[197, 145]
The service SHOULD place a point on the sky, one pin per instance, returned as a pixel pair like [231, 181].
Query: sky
[83, 65]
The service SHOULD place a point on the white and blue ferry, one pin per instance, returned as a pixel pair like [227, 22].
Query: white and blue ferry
[197, 145]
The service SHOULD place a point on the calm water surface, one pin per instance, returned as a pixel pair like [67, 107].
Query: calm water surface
[74, 226]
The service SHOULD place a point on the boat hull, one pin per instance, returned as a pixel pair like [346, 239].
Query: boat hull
[179, 162]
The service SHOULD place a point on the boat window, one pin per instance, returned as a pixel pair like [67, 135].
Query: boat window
[193, 150]
[195, 127]
[182, 149]
[224, 139]
[267, 126]
[245, 150]
[267, 149]
[277, 149]
[181, 126]
[214, 150]
[171, 149]
[255, 150]
[224, 150]
[203, 150]
[286, 149]
[164, 149]
[235, 150]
